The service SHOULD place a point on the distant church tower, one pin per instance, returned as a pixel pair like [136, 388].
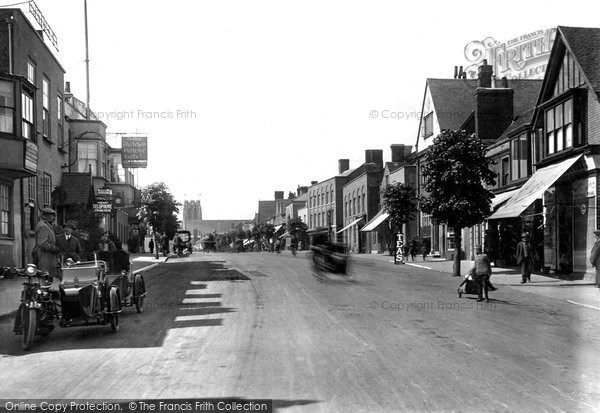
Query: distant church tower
[192, 210]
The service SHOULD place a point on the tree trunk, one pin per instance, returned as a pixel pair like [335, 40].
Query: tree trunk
[457, 254]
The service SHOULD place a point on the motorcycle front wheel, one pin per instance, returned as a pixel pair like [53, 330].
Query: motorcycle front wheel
[29, 320]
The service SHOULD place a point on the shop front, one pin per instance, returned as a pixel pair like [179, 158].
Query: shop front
[557, 208]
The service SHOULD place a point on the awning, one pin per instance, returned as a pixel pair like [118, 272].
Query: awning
[499, 199]
[376, 221]
[533, 189]
[349, 225]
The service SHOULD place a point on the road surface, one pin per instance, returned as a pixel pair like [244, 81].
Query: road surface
[264, 326]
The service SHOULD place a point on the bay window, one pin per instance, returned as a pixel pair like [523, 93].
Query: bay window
[7, 106]
[27, 126]
[559, 127]
[87, 156]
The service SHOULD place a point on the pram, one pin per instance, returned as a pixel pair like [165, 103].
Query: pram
[470, 286]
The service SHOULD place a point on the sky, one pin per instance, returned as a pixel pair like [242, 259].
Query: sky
[243, 98]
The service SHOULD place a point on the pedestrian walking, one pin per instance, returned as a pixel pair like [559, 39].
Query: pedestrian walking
[424, 250]
[595, 257]
[526, 255]
[413, 248]
[483, 271]
[165, 244]
[151, 245]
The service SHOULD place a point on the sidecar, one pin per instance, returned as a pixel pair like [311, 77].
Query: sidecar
[87, 297]
[131, 288]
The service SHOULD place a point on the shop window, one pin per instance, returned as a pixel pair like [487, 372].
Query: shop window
[46, 107]
[27, 110]
[47, 184]
[428, 125]
[7, 106]
[4, 210]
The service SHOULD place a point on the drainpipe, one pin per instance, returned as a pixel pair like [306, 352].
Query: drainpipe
[10, 20]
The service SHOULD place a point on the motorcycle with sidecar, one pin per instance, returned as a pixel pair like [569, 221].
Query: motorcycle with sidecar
[85, 297]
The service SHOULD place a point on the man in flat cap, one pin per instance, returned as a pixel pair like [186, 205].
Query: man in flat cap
[45, 243]
[70, 247]
[526, 256]
[595, 257]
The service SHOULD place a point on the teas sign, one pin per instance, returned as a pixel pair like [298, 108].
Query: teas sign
[134, 153]
[399, 257]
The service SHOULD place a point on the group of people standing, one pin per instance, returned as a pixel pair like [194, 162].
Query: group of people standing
[52, 249]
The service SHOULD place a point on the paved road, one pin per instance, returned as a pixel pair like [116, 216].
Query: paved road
[263, 325]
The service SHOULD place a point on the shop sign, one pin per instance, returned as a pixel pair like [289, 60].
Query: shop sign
[399, 257]
[31, 156]
[524, 57]
[134, 151]
[102, 207]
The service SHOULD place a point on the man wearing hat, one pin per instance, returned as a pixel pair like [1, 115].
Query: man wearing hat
[526, 255]
[70, 247]
[45, 243]
[595, 257]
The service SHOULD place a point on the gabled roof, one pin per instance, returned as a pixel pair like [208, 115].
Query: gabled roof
[77, 188]
[584, 44]
[453, 100]
[519, 121]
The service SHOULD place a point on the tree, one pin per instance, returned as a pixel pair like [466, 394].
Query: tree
[160, 210]
[296, 228]
[455, 172]
[399, 200]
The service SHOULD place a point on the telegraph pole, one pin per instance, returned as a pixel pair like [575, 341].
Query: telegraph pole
[87, 63]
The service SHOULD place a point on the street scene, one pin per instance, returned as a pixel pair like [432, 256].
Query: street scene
[265, 326]
[329, 206]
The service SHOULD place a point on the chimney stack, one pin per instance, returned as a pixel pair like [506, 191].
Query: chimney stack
[344, 165]
[504, 82]
[314, 182]
[400, 152]
[374, 156]
[301, 190]
[484, 75]
[278, 195]
[455, 74]
[67, 87]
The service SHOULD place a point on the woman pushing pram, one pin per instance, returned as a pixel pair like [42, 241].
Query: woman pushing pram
[478, 279]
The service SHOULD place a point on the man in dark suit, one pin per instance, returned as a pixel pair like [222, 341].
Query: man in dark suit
[68, 244]
[526, 256]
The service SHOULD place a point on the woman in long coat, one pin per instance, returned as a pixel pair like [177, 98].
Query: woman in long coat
[45, 243]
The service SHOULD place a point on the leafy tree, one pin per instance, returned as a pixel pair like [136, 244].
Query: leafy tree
[296, 228]
[160, 209]
[455, 172]
[399, 200]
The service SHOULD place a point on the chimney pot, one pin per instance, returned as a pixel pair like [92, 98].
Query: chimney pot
[455, 72]
[67, 87]
[504, 82]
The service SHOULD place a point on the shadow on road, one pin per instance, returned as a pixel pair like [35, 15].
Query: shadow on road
[166, 307]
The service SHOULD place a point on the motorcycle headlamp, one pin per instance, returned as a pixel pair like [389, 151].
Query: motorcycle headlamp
[31, 269]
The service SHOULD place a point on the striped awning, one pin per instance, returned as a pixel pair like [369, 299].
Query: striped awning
[349, 225]
[377, 220]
